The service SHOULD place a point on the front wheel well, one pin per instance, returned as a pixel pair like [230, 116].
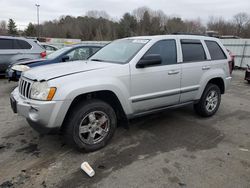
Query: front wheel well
[104, 95]
[219, 82]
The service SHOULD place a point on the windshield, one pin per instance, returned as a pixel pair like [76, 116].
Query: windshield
[57, 53]
[119, 51]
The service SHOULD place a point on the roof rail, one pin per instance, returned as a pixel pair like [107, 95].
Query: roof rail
[185, 33]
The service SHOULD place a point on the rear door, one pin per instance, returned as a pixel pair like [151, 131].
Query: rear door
[194, 64]
[158, 85]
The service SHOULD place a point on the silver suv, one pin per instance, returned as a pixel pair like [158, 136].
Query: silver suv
[128, 78]
[14, 49]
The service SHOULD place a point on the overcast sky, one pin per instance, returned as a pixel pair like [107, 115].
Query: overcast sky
[24, 11]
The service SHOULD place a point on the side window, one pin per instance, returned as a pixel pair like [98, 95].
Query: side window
[166, 49]
[6, 44]
[215, 50]
[79, 54]
[84, 53]
[192, 50]
[21, 44]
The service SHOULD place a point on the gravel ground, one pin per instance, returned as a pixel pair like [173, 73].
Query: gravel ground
[175, 148]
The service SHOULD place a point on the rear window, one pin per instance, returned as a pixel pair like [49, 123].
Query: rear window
[215, 50]
[192, 50]
[6, 44]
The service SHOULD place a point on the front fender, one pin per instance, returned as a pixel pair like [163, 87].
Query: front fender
[68, 90]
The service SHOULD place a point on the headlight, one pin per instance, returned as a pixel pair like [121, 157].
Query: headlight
[20, 68]
[41, 91]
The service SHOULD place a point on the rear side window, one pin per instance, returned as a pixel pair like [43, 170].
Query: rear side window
[215, 50]
[192, 50]
[21, 44]
[6, 44]
[166, 49]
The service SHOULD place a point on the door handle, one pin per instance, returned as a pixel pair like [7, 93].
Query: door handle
[173, 72]
[206, 67]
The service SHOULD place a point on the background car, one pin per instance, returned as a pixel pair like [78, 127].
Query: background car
[15, 49]
[49, 48]
[70, 53]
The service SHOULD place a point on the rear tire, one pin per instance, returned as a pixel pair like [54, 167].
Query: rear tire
[90, 125]
[209, 101]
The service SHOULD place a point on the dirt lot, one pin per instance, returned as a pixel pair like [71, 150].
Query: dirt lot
[175, 148]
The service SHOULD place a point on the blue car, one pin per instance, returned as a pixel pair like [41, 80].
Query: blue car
[66, 54]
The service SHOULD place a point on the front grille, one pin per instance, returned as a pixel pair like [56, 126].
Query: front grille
[24, 87]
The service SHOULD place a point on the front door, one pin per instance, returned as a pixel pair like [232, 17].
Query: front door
[157, 86]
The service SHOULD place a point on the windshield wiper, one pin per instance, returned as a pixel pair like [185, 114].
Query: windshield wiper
[100, 60]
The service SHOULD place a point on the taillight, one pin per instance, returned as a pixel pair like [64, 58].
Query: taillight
[43, 54]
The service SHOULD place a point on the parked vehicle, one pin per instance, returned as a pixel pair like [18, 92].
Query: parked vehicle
[232, 61]
[66, 54]
[15, 49]
[128, 78]
[49, 48]
[247, 75]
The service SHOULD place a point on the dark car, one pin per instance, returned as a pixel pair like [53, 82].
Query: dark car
[70, 53]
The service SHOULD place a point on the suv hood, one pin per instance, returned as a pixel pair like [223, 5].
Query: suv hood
[49, 72]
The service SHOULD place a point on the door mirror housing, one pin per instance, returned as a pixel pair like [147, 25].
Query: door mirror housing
[65, 58]
[149, 60]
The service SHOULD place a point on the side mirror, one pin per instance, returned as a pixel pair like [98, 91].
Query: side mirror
[65, 58]
[149, 60]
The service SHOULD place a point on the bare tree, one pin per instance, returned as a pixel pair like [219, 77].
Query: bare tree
[195, 26]
[241, 20]
[163, 18]
[221, 26]
[139, 12]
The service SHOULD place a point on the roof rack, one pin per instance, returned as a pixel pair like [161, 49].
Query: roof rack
[185, 33]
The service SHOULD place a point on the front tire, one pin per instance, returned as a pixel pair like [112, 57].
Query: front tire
[209, 101]
[90, 125]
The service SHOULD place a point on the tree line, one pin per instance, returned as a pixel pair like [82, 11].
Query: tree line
[98, 25]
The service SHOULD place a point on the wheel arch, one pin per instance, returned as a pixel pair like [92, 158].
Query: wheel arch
[213, 79]
[105, 95]
[219, 82]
